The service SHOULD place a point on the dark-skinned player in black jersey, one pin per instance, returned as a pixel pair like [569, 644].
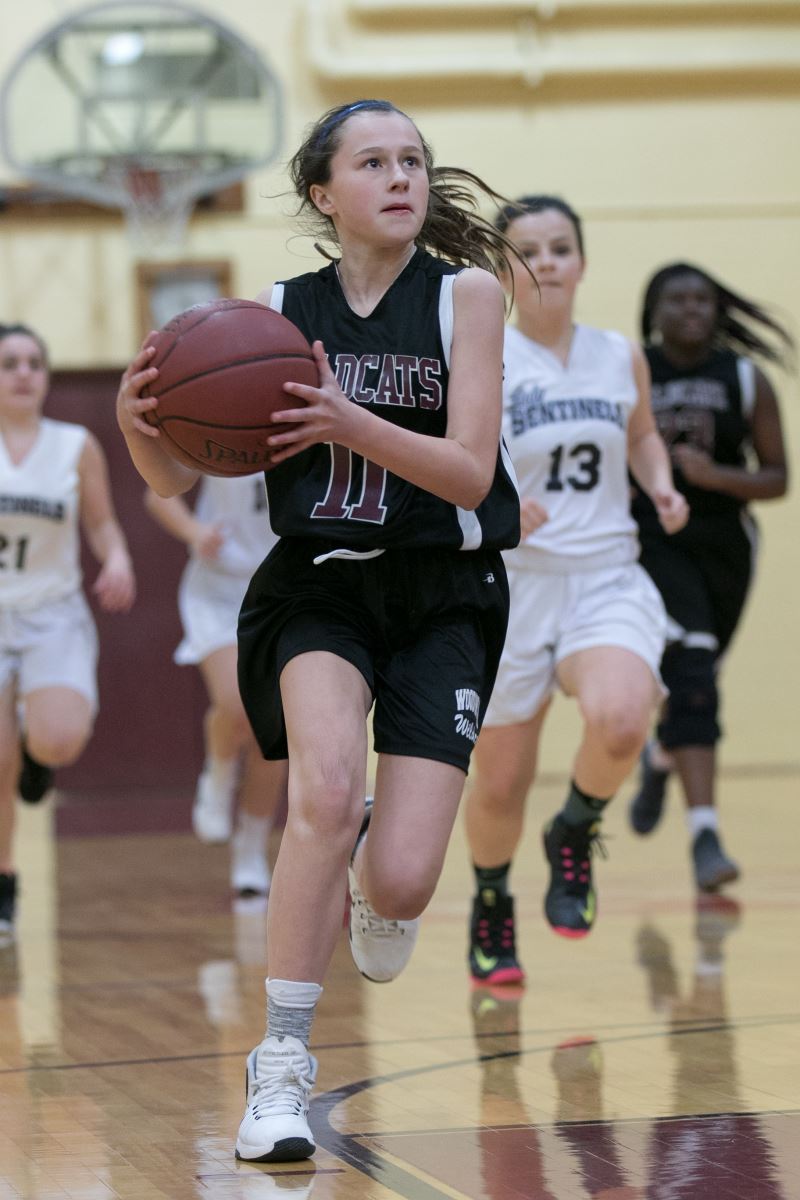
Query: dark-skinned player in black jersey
[393, 497]
[718, 414]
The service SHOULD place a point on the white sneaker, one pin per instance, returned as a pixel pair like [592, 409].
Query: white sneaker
[250, 873]
[280, 1076]
[211, 816]
[380, 947]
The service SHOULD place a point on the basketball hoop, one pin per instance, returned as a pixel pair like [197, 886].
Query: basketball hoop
[156, 204]
[159, 105]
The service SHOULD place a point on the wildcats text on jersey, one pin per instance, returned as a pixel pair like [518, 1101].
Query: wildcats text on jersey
[33, 506]
[395, 363]
[693, 393]
[529, 408]
[392, 379]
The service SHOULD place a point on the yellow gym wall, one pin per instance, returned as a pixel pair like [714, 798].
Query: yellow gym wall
[672, 126]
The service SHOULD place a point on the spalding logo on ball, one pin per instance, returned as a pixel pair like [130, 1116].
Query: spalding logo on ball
[221, 371]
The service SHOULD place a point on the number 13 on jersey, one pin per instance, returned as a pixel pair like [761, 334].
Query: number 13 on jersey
[586, 465]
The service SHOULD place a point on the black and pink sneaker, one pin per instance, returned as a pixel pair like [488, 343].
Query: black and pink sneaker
[492, 949]
[570, 904]
[8, 903]
[35, 779]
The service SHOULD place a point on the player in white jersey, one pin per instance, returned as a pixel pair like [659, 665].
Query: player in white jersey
[227, 535]
[53, 480]
[584, 616]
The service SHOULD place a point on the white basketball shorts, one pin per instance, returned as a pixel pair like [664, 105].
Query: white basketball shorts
[555, 615]
[54, 645]
[209, 603]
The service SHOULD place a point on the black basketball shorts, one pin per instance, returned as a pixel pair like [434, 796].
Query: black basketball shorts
[424, 627]
[704, 574]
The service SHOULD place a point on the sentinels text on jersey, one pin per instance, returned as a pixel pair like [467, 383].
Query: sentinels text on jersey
[566, 424]
[39, 518]
[395, 361]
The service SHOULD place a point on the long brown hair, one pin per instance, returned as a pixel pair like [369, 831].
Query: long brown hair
[453, 227]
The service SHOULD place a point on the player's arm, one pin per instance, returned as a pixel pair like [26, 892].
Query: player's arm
[648, 457]
[770, 479]
[164, 474]
[458, 467]
[115, 586]
[175, 516]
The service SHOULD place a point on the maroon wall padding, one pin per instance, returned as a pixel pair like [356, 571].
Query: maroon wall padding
[148, 733]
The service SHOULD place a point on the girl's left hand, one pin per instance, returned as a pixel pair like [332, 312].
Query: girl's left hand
[696, 466]
[326, 417]
[115, 586]
[672, 509]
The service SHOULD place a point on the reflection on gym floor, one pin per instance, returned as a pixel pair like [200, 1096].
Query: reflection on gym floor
[656, 1060]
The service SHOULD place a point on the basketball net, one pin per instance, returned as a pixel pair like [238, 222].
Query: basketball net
[157, 206]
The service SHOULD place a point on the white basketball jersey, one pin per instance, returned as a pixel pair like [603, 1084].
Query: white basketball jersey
[239, 505]
[39, 518]
[566, 430]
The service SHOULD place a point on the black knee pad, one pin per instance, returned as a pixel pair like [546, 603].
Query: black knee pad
[691, 709]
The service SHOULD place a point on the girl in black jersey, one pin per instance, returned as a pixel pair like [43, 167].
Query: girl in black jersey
[393, 499]
[716, 410]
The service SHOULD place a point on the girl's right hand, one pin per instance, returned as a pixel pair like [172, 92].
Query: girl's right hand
[208, 541]
[131, 405]
[531, 516]
[327, 415]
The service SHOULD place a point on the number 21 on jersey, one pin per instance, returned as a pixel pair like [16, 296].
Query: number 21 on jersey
[13, 552]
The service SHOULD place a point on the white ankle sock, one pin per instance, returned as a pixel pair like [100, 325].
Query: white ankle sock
[222, 772]
[698, 819]
[253, 830]
[290, 1008]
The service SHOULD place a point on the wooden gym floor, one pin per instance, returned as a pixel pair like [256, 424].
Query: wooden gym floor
[658, 1059]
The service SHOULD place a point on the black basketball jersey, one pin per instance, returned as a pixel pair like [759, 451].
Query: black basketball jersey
[394, 362]
[706, 406]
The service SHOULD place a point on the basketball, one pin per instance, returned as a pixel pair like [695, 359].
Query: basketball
[221, 371]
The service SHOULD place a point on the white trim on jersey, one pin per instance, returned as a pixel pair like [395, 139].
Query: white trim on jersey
[276, 298]
[508, 463]
[446, 315]
[746, 370]
[754, 538]
[471, 530]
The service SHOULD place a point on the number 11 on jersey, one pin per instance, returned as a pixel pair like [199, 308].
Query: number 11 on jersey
[344, 466]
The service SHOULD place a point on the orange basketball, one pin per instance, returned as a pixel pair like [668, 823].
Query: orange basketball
[221, 371]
